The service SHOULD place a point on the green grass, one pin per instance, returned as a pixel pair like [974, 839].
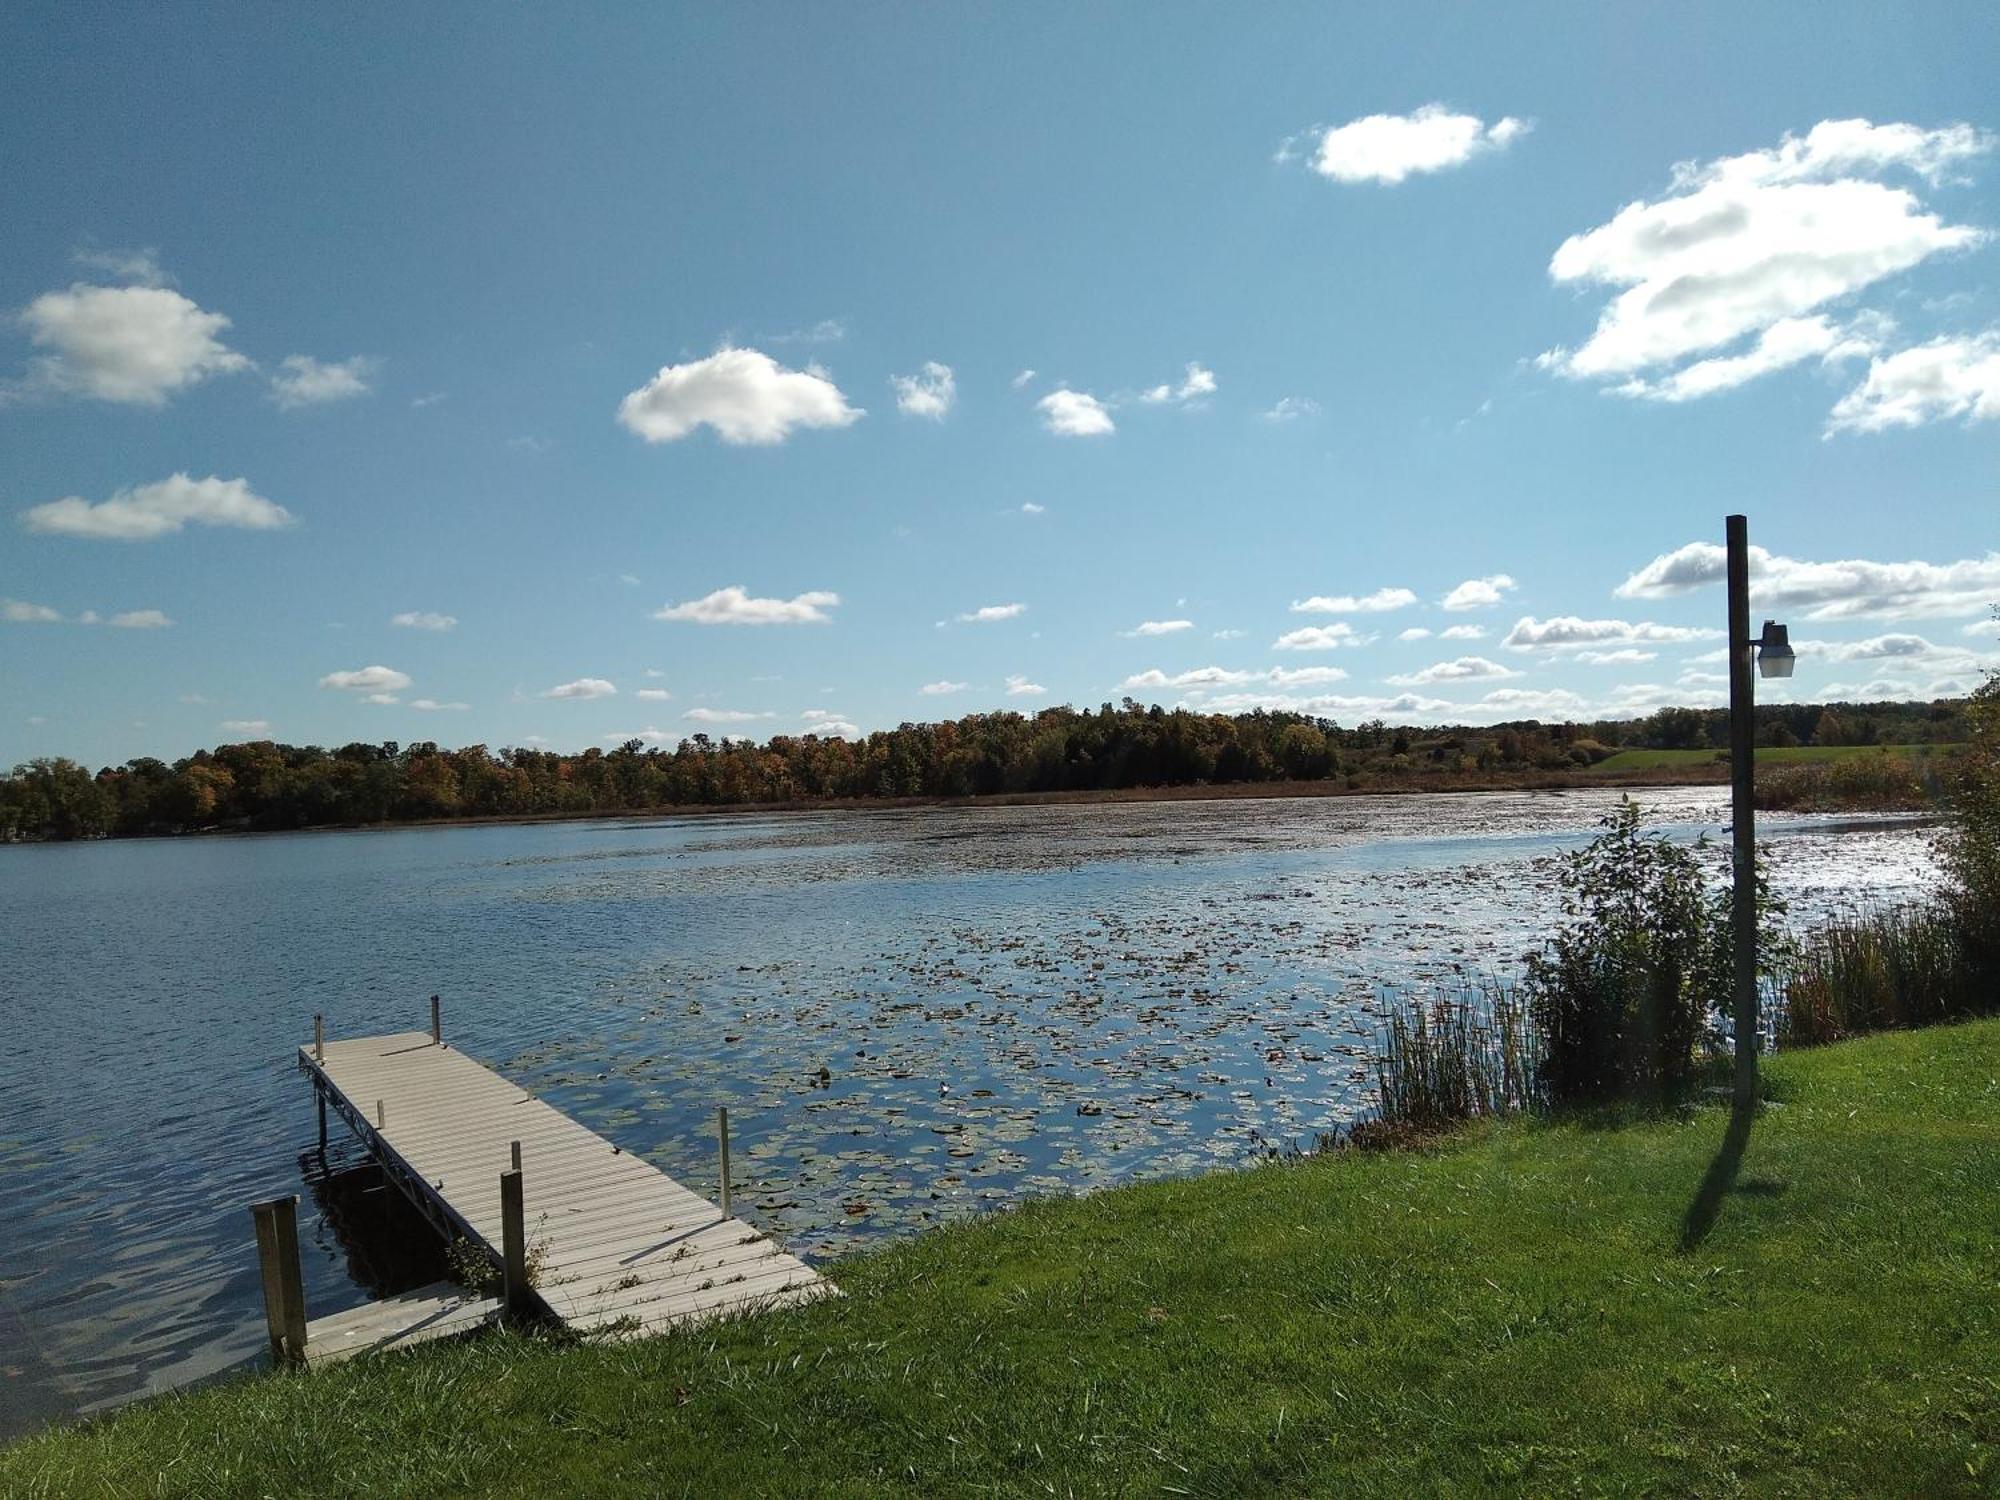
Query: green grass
[1514, 1312]
[1770, 755]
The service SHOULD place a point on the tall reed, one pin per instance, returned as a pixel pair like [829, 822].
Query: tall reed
[1456, 1057]
[1879, 970]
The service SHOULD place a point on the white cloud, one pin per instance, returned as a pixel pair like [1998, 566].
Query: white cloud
[823, 721]
[1022, 379]
[1197, 677]
[1348, 604]
[734, 606]
[1069, 413]
[1290, 677]
[928, 393]
[724, 716]
[1320, 638]
[1462, 633]
[987, 613]
[367, 680]
[141, 266]
[1479, 593]
[1414, 633]
[1461, 669]
[1987, 626]
[131, 344]
[1782, 344]
[302, 380]
[1564, 631]
[1157, 627]
[939, 688]
[825, 331]
[1744, 247]
[1029, 508]
[583, 687]
[1228, 635]
[20, 612]
[153, 510]
[1197, 383]
[1946, 378]
[745, 395]
[381, 698]
[1019, 687]
[1622, 656]
[1292, 409]
[1389, 148]
[431, 705]
[653, 695]
[140, 619]
[423, 619]
[245, 726]
[1845, 590]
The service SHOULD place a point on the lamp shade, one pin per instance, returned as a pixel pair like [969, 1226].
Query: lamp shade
[1775, 656]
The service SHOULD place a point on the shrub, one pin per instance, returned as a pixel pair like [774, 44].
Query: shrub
[1875, 783]
[1623, 994]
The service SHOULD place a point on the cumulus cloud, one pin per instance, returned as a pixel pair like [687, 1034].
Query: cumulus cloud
[431, 705]
[1479, 593]
[1197, 383]
[1741, 250]
[1157, 627]
[146, 511]
[987, 613]
[1198, 681]
[141, 266]
[140, 619]
[1390, 148]
[1414, 633]
[423, 619]
[653, 695]
[1321, 638]
[1622, 656]
[1460, 669]
[724, 715]
[302, 380]
[1029, 508]
[744, 395]
[1850, 589]
[1019, 687]
[1069, 413]
[735, 606]
[367, 680]
[1348, 604]
[1462, 633]
[942, 686]
[1565, 631]
[20, 612]
[1292, 408]
[824, 721]
[1944, 379]
[132, 344]
[928, 393]
[583, 687]
[245, 726]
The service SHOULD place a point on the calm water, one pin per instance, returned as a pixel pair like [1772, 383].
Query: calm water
[910, 1015]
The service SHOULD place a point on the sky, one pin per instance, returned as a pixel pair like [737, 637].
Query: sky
[558, 376]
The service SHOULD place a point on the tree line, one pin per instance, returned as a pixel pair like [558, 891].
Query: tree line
[262, 784]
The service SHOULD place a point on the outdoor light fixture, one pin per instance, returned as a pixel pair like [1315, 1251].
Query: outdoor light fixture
[1775, 656]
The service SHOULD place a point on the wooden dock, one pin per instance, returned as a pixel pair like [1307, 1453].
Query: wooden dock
[608, 1244]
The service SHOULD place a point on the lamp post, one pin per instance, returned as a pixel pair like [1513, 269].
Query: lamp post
[1775, 658]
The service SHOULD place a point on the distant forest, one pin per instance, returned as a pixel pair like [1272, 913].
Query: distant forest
[264, 785]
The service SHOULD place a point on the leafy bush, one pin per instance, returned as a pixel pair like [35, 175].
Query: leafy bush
[1622, 995]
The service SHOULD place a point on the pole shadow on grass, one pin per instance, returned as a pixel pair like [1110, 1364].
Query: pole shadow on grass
[1720, 1178]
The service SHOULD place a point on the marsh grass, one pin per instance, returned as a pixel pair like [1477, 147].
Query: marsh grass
[1459, 1056]
[1882, 971]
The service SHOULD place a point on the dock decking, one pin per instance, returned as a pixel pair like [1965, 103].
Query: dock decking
[614, 1244]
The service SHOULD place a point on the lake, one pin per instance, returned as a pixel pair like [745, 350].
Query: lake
[910, 1015]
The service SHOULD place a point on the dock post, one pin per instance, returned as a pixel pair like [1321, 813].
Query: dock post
[319, 1037]
[722, 1136]
[437, 1029]
[319, 1094]
[381, 1116]
[515, 1151]
[513, 1248]
[284, 1286]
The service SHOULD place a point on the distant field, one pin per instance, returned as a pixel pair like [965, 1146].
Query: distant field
[1660, 760]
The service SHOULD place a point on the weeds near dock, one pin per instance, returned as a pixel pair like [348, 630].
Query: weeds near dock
[1457, 1058]
[1881, 971]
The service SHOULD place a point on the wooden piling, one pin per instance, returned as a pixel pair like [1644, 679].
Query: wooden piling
[514, 1150]
[381, 1116]
[437, 1028]
[319, 1037]
[513, 1247]
[722, 1137]
[284, 1285]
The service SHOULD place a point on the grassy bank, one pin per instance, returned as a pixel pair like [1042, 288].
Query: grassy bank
[1538, 1308]
[1767, 755]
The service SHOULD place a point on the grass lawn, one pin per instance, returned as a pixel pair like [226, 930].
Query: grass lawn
[1516, 1311]
[1772, 755]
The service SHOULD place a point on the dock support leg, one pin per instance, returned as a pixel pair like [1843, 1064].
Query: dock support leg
[320, 1095]
[722, 1138]
[513, 1248]
[437, 1025]
[284, 1286]
[319, 1037]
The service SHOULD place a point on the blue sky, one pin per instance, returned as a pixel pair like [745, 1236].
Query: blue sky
[561, 327]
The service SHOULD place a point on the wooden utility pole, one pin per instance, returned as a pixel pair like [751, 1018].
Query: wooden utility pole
[1743, 817]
